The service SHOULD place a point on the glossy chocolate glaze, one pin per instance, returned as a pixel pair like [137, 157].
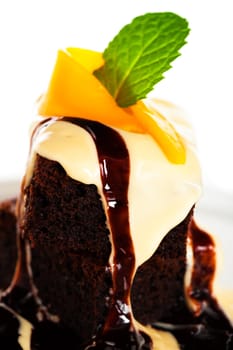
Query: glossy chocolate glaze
[209, 328]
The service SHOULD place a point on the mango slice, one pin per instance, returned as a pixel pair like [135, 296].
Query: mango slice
[74, 91]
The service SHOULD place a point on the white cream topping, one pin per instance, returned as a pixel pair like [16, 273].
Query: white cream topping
[160, 193]
[25, 332]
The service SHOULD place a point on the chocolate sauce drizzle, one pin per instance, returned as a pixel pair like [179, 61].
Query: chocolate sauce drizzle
[118, 332]
[208, 328]
[201, 289]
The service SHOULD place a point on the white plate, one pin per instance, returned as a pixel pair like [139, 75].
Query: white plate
[9, 189]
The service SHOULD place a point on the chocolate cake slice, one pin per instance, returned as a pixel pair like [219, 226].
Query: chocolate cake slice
[88, 268]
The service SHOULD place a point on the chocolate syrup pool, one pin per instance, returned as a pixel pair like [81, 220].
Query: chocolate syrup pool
[209, 330]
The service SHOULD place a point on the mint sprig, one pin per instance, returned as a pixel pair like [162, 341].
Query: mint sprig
[142, 51]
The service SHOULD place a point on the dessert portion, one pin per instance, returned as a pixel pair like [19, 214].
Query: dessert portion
[65, 222]
[105, 224]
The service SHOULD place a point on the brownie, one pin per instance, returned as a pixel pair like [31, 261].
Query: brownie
[65, 225]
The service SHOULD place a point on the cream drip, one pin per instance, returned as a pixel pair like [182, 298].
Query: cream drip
[24, 331]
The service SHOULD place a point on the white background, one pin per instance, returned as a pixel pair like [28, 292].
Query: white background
[201, 79]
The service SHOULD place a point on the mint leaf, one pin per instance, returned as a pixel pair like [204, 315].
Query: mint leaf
[137, 57]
